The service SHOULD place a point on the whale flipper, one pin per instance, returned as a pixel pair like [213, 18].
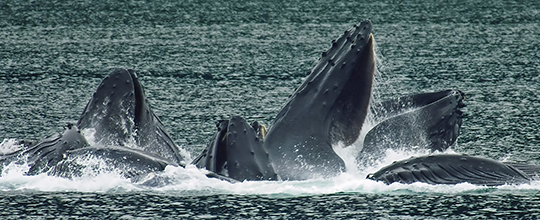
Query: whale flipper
[451, 169]
[236, 152]
[329, 107]
[427, 120]
[121, 116]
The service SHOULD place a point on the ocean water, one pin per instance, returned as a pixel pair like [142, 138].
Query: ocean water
[200, 61]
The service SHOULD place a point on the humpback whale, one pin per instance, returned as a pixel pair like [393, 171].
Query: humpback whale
[120, 115]
[125, 133]
[329, 107]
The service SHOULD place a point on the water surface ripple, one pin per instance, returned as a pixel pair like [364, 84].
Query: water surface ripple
[201, 61]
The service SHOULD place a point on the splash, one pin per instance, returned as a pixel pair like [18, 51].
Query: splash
[10, 145]
[193, 181]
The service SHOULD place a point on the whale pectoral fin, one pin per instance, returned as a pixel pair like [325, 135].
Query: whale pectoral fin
[246, 158]
[428, 120]
[48, 152]
[120, 115]
[329, 107]
[236, 152]
[450, 169]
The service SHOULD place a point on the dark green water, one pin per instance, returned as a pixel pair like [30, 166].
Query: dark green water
[201, 61]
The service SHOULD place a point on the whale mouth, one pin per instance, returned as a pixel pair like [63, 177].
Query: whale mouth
[352, 106]
[329, 107]
[120, 115]
[426, 122]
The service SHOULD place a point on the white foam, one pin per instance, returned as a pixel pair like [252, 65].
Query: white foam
[10, 145]
[88, 134]
[193, 181]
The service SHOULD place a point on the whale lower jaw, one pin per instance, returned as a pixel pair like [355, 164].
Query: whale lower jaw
[455, 169]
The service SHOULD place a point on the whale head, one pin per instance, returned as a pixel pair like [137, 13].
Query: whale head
[120, 115]
[330, 106]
